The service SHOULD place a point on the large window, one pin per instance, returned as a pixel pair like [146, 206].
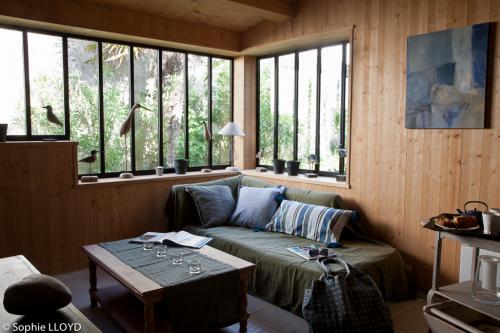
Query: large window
[302, 107]
[59, 86]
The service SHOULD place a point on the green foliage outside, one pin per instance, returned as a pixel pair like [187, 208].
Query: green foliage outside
[84, 105]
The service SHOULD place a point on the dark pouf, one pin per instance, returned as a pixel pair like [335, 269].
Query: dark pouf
[36, 294]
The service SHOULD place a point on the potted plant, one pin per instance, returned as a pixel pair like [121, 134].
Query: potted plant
[292, 167]
[180, 165]
[278, 166]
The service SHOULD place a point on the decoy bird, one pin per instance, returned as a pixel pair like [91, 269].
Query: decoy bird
[127, 124]
[208, 135]
[51, 117]
[90, 159]
[259, 154]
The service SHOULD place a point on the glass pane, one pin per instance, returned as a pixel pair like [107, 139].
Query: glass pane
[173, 67]
[198, 109]
[221, 110]
[13, 111]
[307, 106]
[83, 77]
[331, 80]
[116, 94]
[286, 85]
[46, 84]
[266, 110]
[146, 79]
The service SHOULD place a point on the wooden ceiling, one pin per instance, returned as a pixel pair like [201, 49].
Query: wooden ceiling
[237, 15]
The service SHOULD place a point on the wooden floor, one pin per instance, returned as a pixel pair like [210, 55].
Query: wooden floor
[264, 317]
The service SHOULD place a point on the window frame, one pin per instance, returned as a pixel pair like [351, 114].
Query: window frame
[343, 136]
[131, 45]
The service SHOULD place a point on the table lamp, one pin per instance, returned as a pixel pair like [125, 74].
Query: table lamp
[232, 129]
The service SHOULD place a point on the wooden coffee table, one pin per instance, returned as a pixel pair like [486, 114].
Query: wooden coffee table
[149, 292]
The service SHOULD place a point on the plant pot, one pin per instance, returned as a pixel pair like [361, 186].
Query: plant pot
[3, 132]
[341, 178]
[292, 167]
[180, 165]
[278, 166]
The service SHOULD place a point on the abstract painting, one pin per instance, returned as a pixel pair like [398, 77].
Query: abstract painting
[446, 78]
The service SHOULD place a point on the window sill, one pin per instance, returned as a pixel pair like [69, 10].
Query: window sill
[325, 181]
[153, 178]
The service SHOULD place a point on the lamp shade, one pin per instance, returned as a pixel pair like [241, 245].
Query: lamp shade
[231, 129]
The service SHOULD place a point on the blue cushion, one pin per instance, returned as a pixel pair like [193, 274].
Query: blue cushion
[320, 223]
[215, 204]
[256, 206]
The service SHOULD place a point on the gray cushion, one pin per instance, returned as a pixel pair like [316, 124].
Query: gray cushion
[36, 294]
[256, 206]
[215, 204]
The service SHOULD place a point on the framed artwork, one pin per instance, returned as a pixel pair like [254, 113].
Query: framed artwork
[446, 78]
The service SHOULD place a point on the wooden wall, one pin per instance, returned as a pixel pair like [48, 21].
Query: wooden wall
[45, 217]
[400, 176]
[82, 17]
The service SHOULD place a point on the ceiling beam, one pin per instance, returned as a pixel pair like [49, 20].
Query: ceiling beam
[273, 10]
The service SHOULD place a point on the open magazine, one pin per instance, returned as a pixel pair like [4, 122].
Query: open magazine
[181, 238]
[302, 251]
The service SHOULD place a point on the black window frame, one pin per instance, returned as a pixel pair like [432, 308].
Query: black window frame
[343, 125]
[131, 45]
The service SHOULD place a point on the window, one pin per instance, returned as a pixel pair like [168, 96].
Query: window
[302, 107]
[91, 85]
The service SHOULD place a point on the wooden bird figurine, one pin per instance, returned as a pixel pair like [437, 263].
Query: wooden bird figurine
[208, 135]
[51, 117]
[90, 159]
[127, 124]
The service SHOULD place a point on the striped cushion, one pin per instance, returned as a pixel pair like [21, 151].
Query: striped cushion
[318, 223]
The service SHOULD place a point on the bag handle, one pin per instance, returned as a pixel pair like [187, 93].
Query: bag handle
[334, 260]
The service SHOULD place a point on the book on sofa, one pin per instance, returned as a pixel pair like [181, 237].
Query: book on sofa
[181, 238]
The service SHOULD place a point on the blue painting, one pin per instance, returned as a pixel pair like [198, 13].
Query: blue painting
[446, 78]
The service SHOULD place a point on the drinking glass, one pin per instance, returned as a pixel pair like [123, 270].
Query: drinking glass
[177, 258]
[148, 246]
[161, 251]
[194, 266]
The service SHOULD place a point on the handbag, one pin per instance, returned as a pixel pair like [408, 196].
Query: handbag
[346, 301]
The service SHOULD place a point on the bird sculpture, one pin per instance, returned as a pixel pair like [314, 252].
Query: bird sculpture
[90, 159]
[208, 138]
[51, 117]
[127, 126]
[312, 159]
[259, 154]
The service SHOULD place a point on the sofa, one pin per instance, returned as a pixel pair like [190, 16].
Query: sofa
[281, 277]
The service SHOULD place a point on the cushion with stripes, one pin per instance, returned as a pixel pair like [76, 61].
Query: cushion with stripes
[320, 223]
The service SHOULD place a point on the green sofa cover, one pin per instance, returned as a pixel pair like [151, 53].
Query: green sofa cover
[281, 277]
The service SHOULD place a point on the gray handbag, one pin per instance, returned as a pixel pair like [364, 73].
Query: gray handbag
[346, 301]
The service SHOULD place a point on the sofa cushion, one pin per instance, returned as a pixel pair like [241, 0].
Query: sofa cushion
[281, 277]
[256, 206]
[314, 222]
[214, 203]
[36, 294]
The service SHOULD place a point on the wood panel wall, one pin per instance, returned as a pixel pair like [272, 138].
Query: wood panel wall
[400, 176]
[45, 217]
[85, 18]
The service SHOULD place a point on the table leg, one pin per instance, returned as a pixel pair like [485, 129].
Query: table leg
[475, 255]
[149, 318]
[93, 283]
[243, 305]
[435, 269]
